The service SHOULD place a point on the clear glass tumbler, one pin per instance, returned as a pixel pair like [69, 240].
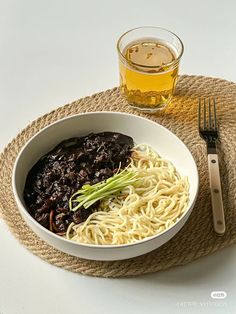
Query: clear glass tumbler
[149, 60]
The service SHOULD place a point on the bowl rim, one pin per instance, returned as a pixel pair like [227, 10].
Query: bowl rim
[100, 246]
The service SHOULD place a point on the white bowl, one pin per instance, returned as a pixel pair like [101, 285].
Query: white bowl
[141, 130]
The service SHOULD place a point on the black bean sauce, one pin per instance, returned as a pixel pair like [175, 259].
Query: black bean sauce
[60, 173]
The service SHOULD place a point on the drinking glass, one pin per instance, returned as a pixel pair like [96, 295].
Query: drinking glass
[149, 60]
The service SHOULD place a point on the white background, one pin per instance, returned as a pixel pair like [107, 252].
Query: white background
[53, 52]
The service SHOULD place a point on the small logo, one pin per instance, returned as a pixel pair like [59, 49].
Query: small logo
[218, 294]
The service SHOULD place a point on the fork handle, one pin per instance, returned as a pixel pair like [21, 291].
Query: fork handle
[216, 194]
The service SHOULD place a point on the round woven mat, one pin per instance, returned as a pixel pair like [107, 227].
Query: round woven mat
[197, 237]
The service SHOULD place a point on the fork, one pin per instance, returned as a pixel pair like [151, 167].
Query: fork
[207, 126]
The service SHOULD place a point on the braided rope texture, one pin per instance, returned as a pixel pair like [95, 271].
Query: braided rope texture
[197, 237]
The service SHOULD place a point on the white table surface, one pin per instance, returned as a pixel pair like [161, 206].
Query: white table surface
[53, 52]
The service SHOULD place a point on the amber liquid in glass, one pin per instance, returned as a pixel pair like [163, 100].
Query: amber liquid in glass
[147, 76]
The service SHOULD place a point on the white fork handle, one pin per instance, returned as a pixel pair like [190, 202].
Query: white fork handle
[216, 194]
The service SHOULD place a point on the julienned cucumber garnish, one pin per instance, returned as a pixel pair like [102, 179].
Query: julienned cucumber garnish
[90, 194]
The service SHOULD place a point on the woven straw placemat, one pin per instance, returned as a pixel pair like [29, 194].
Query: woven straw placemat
[197, 237]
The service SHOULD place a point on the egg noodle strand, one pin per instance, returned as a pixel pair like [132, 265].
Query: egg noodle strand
[144, 209]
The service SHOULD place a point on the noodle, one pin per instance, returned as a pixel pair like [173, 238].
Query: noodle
[153, 204]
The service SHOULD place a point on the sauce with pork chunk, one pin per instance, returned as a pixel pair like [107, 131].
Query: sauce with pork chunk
[71, 164]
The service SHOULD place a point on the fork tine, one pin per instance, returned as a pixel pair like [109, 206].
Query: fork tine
[204, 113]
[209, 113]
[214, 112]
[199, 113]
